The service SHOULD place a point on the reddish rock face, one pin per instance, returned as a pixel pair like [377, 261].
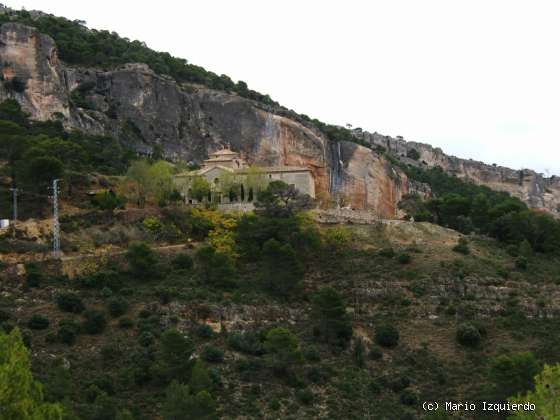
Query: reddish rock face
[143, 109]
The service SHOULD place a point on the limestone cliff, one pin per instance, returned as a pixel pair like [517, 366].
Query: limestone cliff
[533, 188]
[144, 109]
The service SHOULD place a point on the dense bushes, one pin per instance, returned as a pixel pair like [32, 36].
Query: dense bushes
[468, 335]
[94, 321]
[142, 261]
[212, 354]
[117, 306]
[246, 342]
[281, 269]
[513, 373]
[38, 322]
[215, 268]
[466, 207]
[386, 335]
[68, 331]
[331, 323]
[70, 302]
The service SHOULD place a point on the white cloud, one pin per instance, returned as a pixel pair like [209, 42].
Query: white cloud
[479, 79]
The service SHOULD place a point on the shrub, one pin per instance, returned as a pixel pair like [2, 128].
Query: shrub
[216, 268]
[332, 324]
[117, 306]
[146, 338]
[311, 354]
[182, 262]
[111, 351]
[413, 154]
[15, 84]
[387, 252]
[126, 323]
[462, 247]
[33, 276]
[283, 350]
[70, 302]
[282, 271]
[305, 396]
[94, 322]
[246, 342]
[399, 383]
[175, 351]
[375, 353]
[212, 354]
[521, 263]
[180, 399]
[4, 315]
[513, 374]
[68, 331]
[38, 322]
[142, 260]
[468, 335]
[404, 258]
[386, 335]
[204, 331]
[408, 397]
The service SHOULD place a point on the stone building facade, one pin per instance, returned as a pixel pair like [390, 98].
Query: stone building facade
[235, 184]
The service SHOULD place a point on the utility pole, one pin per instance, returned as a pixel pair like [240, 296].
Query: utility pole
[14, 191]
[56, 224]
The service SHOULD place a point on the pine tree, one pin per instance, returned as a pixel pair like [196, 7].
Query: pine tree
[21, 397]
[545, 397]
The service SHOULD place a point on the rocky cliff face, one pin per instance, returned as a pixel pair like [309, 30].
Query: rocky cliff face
[187, 121]
[533, 188]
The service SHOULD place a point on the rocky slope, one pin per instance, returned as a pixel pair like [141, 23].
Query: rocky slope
[187, 121]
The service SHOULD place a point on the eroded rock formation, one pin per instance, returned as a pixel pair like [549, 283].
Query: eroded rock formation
[144, 109]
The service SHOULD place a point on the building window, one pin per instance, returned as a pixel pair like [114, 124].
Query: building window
[269, 176]
[216, 181]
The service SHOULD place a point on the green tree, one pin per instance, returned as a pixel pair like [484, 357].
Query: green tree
[283, 349]
[199, 188]
[332, 324]
[387, 335]
[282, 270]
[174, 355]
[139, 174]
[545, 397]
[216, 268]
[142, 260]
[41, 171]
[181, 404]
[108, 200]
[200, 378]
[21, 397]
[513, 373]
[282, 200]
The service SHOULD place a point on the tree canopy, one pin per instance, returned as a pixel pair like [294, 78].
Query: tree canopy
[21, 397]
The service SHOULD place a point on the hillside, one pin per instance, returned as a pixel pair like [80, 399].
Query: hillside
[426, 296]
[410, 277]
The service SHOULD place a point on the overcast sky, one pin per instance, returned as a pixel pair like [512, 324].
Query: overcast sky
[480, 79]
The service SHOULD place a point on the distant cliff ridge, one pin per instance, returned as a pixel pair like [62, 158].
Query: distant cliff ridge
[144, 109]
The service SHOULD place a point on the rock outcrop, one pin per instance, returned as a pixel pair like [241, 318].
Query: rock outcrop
[186, 121]
[537, 191]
